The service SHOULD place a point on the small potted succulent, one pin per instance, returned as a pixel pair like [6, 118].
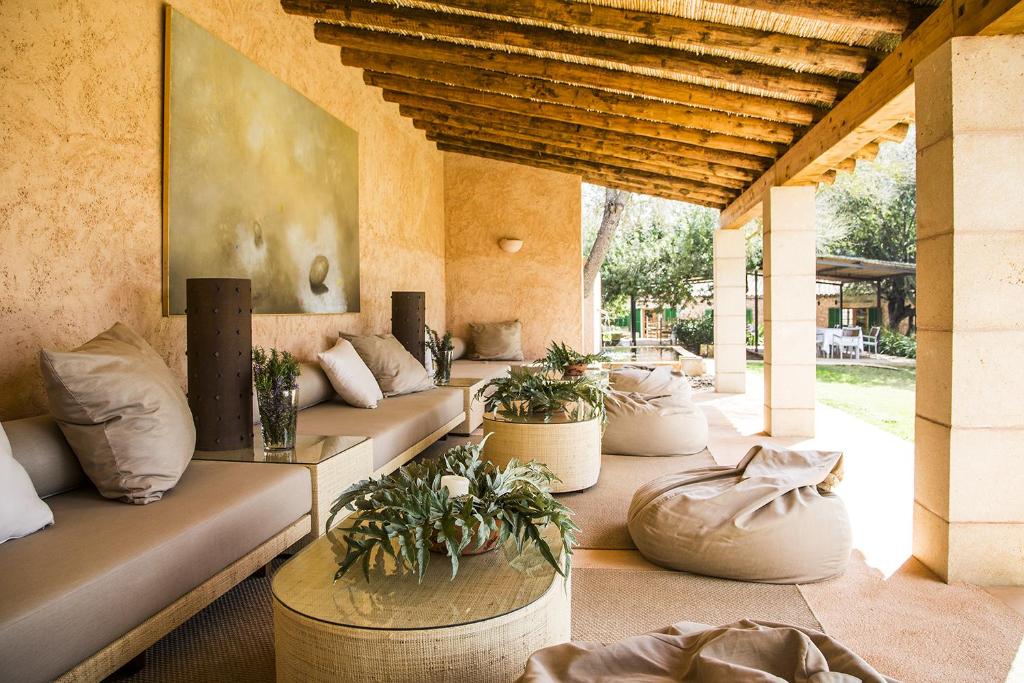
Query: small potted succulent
[569, 362]
[275, 376]
[440, 348]
[458, 505]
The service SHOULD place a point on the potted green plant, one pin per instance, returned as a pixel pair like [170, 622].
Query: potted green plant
[275, 376]
[440, 348]
[569, 362]
[523, 395]
[457, 504]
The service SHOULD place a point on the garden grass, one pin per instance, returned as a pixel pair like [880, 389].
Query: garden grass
[883, 397]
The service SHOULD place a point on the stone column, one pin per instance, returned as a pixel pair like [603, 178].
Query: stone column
[969, 444]
[730, 273]
[789, 311]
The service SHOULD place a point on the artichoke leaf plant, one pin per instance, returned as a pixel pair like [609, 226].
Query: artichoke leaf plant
[564, 359]
[523, 395]
[406, 513]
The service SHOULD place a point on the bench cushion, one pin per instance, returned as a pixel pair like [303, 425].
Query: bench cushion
[395, 425]
[105, 567]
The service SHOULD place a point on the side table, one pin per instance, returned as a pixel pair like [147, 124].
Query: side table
[474, 409]
[334, 464]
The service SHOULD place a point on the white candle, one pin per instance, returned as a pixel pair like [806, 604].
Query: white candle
[456, 485]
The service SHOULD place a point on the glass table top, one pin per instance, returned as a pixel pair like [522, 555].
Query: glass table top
[461, 382]
[309, 450]
[487, 586]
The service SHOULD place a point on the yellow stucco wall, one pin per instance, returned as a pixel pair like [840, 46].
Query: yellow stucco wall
[542, 285]
[81, 86]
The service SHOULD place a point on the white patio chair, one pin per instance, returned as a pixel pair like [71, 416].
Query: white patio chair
[850, 339]
[822, 348]
[872, 339]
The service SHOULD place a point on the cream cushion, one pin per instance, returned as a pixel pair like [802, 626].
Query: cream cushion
[349, 376]
[21, 510]
[123, 413]
[394, 368]
[497, 341]
[640, 425]
[657, 381]
[458, 348]
[763, 520]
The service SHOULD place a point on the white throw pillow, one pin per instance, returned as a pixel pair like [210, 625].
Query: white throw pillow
[21, 510]
[349, 376]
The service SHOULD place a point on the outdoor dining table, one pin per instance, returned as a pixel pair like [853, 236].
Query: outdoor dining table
[833, 334]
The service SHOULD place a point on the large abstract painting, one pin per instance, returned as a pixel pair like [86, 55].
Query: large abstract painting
[259, 182]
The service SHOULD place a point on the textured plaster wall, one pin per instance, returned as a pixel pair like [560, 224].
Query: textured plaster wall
[542, 285]
[81, 86]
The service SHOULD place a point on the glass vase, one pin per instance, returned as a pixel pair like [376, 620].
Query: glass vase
[279, 411]
[443, 367]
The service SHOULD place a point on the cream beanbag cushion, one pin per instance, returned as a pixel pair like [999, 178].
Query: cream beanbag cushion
[660, 425]
[763, 520]
[658, 381]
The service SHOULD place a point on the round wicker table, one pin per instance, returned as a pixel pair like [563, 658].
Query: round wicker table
[572, 450]
[481, 625]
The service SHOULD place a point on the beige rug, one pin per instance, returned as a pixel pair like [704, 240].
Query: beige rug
[601, 510]
[913, 627]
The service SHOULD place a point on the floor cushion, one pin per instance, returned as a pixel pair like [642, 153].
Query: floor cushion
[763, 520]
[659, 425]
[651, 381]
[695, 653]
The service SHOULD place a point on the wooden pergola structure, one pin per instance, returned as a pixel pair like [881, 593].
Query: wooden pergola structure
[745, 106]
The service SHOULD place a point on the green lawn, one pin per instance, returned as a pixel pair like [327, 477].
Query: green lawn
[881, 396]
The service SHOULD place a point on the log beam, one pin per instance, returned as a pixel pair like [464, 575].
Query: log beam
[807, 54]
[732, 73]
[443, 112]
[397, 86]
[394, 54]
[888, 16]
[582, 98]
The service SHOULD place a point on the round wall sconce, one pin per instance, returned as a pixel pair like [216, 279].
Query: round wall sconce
[510, 245]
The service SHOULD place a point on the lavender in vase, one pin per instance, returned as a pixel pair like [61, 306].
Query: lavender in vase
[275, 375]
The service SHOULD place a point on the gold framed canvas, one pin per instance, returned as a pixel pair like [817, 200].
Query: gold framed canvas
[259, 182]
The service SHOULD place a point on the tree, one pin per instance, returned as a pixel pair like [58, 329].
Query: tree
[871, 214]
[615, 202]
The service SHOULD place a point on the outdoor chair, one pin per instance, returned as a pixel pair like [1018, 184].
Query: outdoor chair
[823, 349]
[872, 339]
[850, 339]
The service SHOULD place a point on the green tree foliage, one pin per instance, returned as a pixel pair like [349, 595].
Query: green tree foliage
[871, 214]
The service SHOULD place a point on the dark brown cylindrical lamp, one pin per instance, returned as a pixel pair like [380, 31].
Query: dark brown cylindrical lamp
[219, 351]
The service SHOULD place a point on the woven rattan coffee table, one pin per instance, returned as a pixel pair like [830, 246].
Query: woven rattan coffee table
[481, 626]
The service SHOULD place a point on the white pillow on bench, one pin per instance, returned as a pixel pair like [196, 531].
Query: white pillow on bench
[22, 512]
[349, 376]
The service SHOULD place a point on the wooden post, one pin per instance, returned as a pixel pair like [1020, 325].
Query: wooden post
[841, 322]
[756, 336]
[632, 319]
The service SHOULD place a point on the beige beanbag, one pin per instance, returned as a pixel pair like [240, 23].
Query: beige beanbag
[657, 381]
[659, 425]
[695, 653]
[763, 520]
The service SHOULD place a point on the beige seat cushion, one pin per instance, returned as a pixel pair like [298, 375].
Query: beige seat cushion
[752, 651]
[658, 381]
[123, 412]
[763, 520]
[639, 425]
[395, 426]
[497, 341]
[103, 568]
[394, 368]
[349, 376]
[21, 510]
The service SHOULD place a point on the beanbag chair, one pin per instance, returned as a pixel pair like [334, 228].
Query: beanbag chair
[656, 381]
[694, 653]
[763, 520]
[659, 425]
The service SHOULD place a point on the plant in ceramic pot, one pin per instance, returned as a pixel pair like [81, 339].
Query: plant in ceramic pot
[275, 376]
[569, 362]
[457, 504]
[440, 348]
[523, 395]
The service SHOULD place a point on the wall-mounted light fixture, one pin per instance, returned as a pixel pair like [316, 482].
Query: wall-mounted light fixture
[510, 244]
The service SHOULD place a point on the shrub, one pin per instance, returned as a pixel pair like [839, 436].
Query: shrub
[690, 333]
[893, 344]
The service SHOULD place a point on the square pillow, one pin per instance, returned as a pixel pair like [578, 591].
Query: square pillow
[21, 510]
[349, 376]
[123, 413]
[395, 369]
[497, 341]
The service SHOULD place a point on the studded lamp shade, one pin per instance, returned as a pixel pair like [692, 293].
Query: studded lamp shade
[219, 351]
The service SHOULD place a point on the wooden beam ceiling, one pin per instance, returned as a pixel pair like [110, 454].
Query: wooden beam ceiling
[889, 16]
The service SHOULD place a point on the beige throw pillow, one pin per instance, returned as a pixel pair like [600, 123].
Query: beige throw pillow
[395, 369]
[123, 413]
[21, 510]
[497, 341]
[349, 376]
